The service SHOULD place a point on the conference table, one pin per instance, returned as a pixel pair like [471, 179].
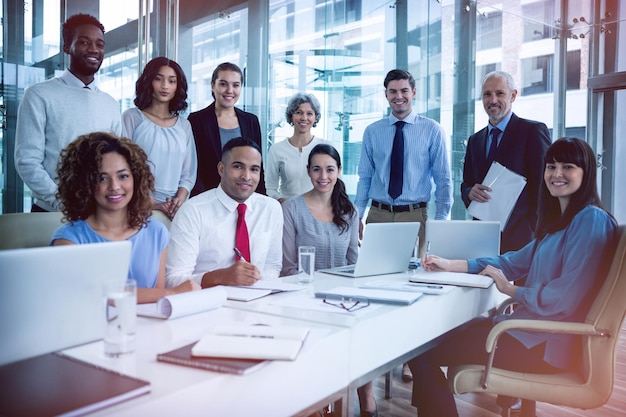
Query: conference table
[343, 351]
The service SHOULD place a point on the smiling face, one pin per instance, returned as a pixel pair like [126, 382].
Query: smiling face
[240, 170]
[226, 89]
[86, 52]
[164, 85]
[563, 179]
[497, 99]
[115, 183]
[400, 95]
[323, 171]
[303, 118]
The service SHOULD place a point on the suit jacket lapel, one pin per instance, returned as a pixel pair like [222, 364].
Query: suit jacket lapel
[214, 131]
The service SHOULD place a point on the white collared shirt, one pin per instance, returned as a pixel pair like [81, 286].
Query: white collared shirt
[203, 236]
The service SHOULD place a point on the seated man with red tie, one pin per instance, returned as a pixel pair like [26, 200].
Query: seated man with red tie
[228, 235]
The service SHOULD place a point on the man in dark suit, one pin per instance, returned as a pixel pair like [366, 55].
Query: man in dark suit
[221, 121]
[520, 146]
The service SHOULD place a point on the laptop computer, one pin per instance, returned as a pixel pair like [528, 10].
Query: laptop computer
[386, 249]
[51, 298]
[463, 239]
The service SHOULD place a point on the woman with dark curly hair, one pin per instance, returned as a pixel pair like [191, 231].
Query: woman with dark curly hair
[157, 126]
[104, 189]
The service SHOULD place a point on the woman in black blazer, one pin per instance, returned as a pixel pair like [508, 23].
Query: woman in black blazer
[221, 121]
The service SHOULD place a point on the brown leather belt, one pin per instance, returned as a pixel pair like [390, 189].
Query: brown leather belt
[398, 209]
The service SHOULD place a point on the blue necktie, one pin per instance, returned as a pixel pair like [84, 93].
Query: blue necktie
[396, 173]
[491, 155]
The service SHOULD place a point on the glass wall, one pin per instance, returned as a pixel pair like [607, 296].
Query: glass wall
[340, 51]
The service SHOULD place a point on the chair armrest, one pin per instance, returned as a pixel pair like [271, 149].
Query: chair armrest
[545, 326]
[506, 304]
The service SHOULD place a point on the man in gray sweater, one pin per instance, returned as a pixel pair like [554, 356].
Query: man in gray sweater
[53, 113]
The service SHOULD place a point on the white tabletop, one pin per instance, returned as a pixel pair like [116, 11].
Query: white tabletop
[281, 388]
[384, 333]
[343, 350]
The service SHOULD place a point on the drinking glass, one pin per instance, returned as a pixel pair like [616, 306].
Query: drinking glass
[120, 317]
[306, 264]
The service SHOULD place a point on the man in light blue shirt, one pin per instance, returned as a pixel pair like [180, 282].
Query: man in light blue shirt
[425, 159]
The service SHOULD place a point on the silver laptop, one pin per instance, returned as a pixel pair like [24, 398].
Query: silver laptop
[463, 239]
[386, 249]
[51, 298]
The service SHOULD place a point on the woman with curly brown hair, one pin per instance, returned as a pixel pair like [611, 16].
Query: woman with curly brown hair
[105, 187]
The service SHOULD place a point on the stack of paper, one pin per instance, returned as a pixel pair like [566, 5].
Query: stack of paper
[506, 187]
[452, 278]
[252, 342]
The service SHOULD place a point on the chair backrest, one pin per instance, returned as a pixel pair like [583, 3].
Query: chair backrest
[606, 314]
[160, 216]
[28, 230]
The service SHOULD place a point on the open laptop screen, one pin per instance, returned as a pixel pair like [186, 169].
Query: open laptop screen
[463, 239]
[51, 297]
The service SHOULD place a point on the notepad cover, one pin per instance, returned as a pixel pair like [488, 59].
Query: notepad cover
[183, 356]
[55, 384]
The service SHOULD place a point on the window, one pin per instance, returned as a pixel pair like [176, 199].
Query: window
[489, 30]
[537, 18]
[537, 75]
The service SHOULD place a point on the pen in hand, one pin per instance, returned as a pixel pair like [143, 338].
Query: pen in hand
[239, 254]
[426, 255]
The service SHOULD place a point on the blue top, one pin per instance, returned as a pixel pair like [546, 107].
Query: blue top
[564, 275]
[147, 245]
[425, 159]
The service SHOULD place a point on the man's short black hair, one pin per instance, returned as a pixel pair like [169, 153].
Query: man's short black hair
[398, 74]
[70, 25]
[238, 142]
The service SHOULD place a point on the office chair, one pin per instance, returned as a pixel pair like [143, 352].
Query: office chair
[160, 216]
[588, 388]
[28, 230]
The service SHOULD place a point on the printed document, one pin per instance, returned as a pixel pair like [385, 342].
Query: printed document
[506, 187]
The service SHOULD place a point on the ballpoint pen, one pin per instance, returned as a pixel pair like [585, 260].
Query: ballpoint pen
[431, 286]
[239, 254]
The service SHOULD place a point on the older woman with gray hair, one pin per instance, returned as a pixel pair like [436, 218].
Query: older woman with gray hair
[286, 173]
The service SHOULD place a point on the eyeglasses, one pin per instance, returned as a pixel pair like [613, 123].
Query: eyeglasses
[349, 303]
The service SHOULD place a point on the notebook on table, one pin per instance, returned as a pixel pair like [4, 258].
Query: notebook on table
[183, 356]
[451, 278]
[373, 295]
[386, 249]
[463, 239]
[54, 384]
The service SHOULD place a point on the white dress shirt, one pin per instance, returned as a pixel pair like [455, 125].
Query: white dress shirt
[203, 236]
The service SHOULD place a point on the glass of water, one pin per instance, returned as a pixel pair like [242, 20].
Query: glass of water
[120, 317]
[306, 264]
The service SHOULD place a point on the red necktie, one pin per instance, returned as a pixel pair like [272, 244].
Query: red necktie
[242, 240]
